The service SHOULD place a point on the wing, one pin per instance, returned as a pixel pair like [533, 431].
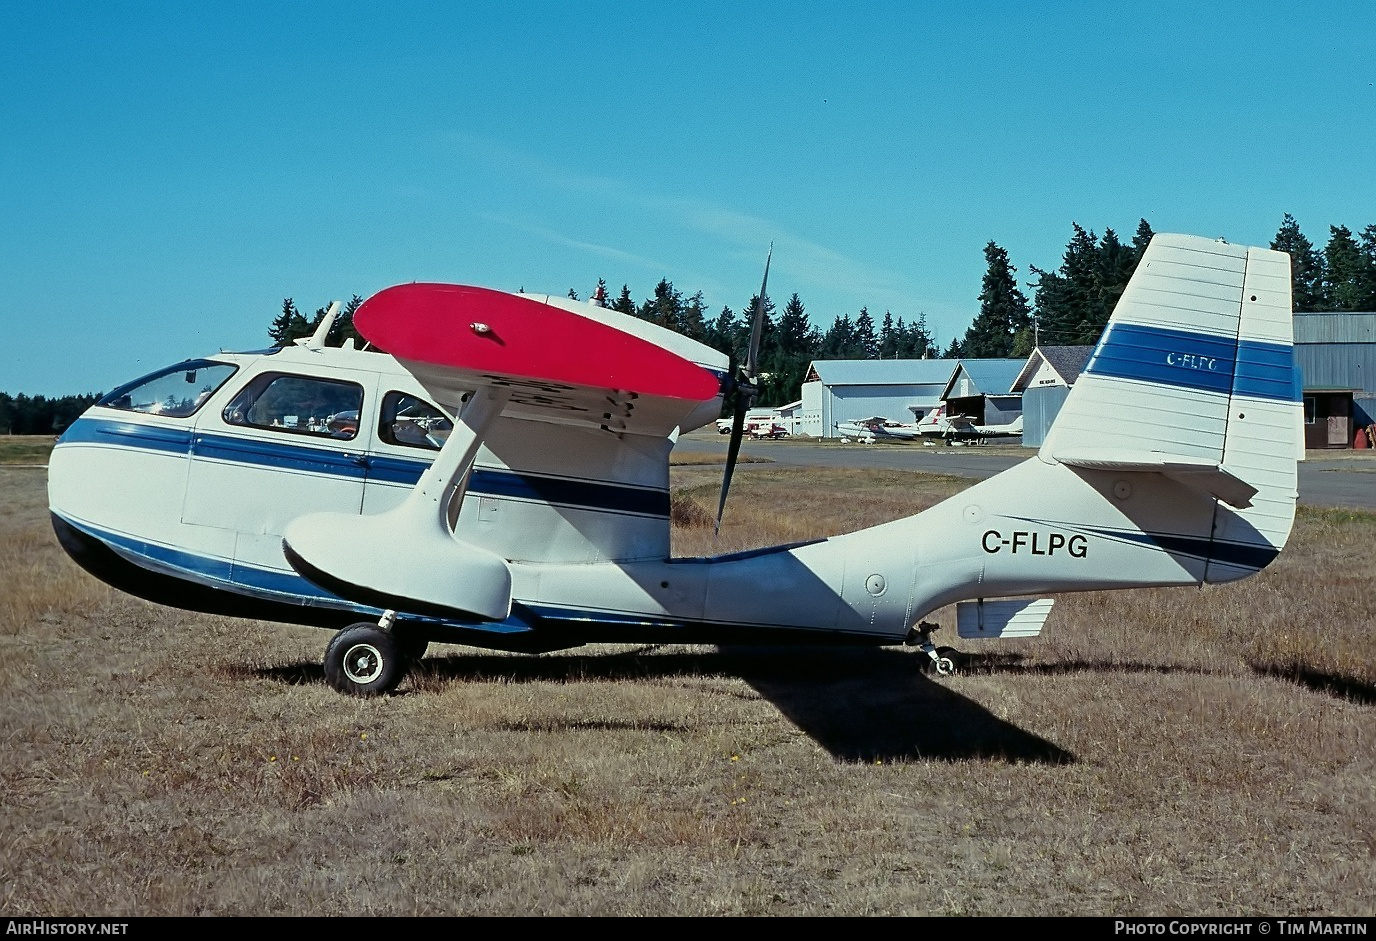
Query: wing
[562, 361]
[563, 420]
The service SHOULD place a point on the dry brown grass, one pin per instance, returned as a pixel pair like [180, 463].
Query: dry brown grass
[26, 449]
[1171, 752]
[772, 504]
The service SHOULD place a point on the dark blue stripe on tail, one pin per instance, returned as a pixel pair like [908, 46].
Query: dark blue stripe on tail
[1190, 360]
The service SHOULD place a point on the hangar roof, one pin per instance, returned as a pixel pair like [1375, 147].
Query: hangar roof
[881, 372]
[1068, 361]
[987, 376]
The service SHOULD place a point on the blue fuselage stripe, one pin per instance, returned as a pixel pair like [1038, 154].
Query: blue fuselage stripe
[360, 465]
[127, 434]
[1191, 360]
[1252, 556]
[281, 456]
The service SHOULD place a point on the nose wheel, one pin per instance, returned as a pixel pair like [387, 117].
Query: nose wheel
[943, 661]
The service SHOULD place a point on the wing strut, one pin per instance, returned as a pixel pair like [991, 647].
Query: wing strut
[445, 479]
[407, 559]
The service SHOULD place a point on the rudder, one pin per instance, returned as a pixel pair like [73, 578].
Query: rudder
[1194, 377]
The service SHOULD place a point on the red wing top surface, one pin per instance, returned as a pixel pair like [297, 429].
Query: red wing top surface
[561, 365]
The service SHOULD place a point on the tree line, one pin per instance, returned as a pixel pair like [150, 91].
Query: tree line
[38, 415]
[1342, 277]
[1069, 306]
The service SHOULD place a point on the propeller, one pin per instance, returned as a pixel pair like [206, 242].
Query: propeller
[746, 390]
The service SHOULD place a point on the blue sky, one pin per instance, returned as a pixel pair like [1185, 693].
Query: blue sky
[170, 172]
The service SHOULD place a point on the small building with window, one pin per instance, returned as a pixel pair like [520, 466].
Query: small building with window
[1044, 383]
[1336, 353]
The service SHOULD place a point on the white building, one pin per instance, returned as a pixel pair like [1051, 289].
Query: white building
[841, 390]
[1044, 383]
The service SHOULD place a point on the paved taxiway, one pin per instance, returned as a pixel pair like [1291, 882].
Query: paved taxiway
[1327, 478]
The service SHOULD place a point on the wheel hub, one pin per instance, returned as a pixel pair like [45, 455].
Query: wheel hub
[363, 663]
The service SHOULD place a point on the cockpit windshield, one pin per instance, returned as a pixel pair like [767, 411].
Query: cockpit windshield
[175, 392]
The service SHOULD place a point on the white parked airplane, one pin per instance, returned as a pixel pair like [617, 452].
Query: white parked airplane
[877, 428]
[486, 488]
[1012, 429]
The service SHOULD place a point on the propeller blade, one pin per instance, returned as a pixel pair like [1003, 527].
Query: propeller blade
[751, 364]
[732, 450]
[745, 391]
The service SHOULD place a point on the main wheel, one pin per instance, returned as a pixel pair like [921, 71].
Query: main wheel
[364, 660]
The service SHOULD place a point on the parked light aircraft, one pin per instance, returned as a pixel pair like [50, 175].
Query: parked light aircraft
[937, 425]
[877, 428]
[1012, 429]
[479, 485]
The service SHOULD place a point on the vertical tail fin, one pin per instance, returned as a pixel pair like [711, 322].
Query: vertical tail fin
[1194, 377]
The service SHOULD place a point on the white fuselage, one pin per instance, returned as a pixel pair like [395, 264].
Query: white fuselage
[207, 501]
[545, 519]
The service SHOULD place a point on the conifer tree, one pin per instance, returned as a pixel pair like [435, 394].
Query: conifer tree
[692, 319]
[1368, 248]
[344, 328]
[1347, 272]
[793, 344]
[665, 308]
[1074, 303]
[866, 341]
[721, 332]
[623, 303]
[918, 342]
[839, 341]
[1003, 310]
[888, 337]
[289, 325]
[1141, 239]
[1307, 275]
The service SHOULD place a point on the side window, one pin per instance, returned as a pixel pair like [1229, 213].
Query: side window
[328, 408]
[175, 392]
[412, 422]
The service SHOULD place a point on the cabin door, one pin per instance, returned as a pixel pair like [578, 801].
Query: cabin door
[287, 445]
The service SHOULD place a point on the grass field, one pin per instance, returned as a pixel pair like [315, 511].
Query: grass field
[25, 449]
[1157, 752]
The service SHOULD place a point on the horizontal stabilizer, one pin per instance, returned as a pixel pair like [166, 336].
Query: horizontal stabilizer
[1002, 618]
[1198, 472]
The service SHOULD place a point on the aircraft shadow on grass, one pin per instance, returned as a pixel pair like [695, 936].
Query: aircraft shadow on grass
[1332, 684]
[860, 704]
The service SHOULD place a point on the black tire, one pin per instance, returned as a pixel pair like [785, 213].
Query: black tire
[364, 660]
[949, 662]
[954, 657]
